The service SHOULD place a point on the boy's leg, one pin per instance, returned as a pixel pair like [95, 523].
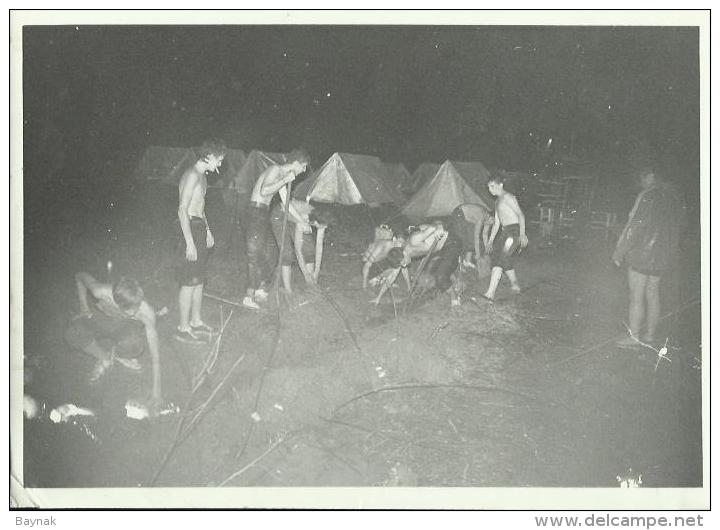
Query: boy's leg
[253, 270]
[130, 344]
[513, 280]
[637, 284]
[184, 332]
[94, 349]
[366, 274]
[82, 334]
[196, 305]
[495, 276]
[185, 300]
[652, 294]
[286, 273]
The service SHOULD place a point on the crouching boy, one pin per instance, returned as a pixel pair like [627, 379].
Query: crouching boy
[115, 329]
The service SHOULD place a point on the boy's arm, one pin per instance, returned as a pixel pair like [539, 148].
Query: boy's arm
[209, 239]
[389, 280]
[494, 231]
[298, 239]
[630, 232]
[276, 183]
[631, 216]
[486, 232]
[406, 275]
[146, 314]
[428, 232]
[521, 220]
[476, 239]
[187, 186]
[85, 282]
[319, 244]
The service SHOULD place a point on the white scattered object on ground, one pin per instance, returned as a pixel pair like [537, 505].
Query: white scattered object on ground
[138, 411]
[162, 312]
[64, 412]
[278, 406]
[30, 407]
[629, 479]
[255, 416]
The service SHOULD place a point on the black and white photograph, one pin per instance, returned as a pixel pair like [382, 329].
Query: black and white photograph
[388, 252]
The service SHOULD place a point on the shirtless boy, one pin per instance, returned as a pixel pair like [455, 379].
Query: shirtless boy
[192, 270]
[258, 232]
[425, 239]
[422, 240]
[376, 253]
[510, 222]
[112, 330]
[308, 248]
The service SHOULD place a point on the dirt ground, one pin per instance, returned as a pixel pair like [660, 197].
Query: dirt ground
[529, 391]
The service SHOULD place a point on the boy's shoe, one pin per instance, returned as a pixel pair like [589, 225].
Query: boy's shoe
[99, 370]
[250, 303]
[261, 295]
[202, 327]
[187, 336]
[131, 364]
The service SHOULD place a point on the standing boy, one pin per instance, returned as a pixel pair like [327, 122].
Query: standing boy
[192, 270]
[510, 222]
[648, 245]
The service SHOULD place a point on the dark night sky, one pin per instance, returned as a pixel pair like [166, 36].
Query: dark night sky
[411, 94]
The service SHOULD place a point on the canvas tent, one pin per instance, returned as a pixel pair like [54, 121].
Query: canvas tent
[421, 176]
[254, 164]
[167, 164]
[159, 161]
[476, 175]
[350, 179]
[444, 192]
[399, 175]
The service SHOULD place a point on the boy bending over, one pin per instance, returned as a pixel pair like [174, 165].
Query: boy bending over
[112, 331]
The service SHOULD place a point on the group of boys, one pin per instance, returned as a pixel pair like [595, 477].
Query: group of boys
[114, 330]
[472, 229]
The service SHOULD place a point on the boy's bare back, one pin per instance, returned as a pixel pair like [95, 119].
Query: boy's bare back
[270, 176]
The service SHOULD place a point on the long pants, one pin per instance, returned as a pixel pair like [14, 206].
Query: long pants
[258, 238]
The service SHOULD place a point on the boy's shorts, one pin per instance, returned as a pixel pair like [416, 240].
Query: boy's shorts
[506, 247]
[381, 266]
[191, 273]
[126, 334]
[288, 257]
